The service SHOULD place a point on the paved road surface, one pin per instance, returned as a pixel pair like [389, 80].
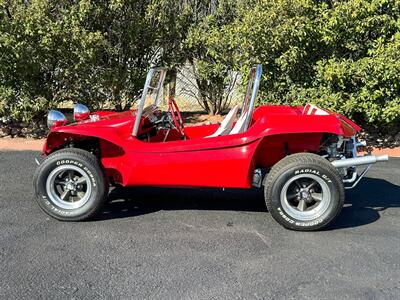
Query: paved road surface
[197, 244]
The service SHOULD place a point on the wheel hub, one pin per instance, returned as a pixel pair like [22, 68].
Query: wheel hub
[71, 186]
[305, 194]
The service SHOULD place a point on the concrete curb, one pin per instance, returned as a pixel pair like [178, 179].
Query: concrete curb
[21, 144]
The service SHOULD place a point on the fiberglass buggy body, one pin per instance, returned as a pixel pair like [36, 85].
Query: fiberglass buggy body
[303, 157]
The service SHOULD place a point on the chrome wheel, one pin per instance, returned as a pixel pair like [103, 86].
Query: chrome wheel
[68, 187]
[305, 197]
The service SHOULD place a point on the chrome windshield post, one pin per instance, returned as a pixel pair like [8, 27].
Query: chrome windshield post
[142, 101]
[146, 89]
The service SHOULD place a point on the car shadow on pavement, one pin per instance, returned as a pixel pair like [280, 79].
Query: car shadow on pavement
[127, 202]
[364, 203]
[367, 202]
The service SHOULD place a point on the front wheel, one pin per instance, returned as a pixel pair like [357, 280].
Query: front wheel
[304, 192]
[70, 185]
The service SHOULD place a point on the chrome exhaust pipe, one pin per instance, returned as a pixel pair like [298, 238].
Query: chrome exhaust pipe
[358, 161]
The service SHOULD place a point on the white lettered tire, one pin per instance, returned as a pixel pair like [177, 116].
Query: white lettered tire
[70, 185]
[304, 192]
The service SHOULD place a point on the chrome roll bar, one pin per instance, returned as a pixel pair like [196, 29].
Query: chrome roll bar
[253, 86]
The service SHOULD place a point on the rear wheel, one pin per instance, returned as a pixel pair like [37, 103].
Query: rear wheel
[304, 192]
[70, 185]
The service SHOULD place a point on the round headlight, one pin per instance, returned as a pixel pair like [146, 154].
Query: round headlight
[81, 112]
[55, 118]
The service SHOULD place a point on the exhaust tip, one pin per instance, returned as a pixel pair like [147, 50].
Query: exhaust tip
[382, 157]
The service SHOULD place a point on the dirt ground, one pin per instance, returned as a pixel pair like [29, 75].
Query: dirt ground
[199, 117]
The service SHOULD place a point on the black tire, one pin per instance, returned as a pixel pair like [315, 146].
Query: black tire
[287, 184]
[94, 188]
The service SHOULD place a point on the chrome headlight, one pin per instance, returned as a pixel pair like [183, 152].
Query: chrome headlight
[81, 112]
[55, 118]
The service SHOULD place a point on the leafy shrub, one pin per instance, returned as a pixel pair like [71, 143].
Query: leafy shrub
[94, 52]
[342, 55]
[47, 56]
[212, 60]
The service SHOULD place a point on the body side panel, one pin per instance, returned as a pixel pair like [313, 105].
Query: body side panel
[218, 167]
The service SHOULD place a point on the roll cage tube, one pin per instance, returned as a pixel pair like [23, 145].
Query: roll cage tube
[252, 86]
[176, 117]
[147, 87]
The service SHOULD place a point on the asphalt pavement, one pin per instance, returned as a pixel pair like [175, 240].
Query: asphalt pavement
[154, 243]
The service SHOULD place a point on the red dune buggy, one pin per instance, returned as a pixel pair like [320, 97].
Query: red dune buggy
[303, 157]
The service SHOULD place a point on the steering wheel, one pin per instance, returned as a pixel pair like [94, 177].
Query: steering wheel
[176, 117]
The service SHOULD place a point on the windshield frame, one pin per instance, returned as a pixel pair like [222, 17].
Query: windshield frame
[157, 100]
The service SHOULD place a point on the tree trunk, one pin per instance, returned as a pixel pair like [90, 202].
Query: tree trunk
[118, 107]
[203, 98]
[172, 84]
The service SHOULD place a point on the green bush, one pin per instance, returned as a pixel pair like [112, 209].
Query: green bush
[212, 60]
[342, 55]
[47, 56]
[94, 52]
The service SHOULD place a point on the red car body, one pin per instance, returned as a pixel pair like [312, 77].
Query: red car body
[303, 157]
[200, 161]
